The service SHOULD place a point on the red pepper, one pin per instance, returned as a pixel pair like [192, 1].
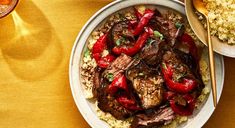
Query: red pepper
[149, 30]
[184, 110]
[185, 86]
[97, 50]
[188, 40]
[138, 14]
[168, 95]
[105, 61]
[132, 50]
[148, 14]
[128, 103]
[119, 82]
[100, 44]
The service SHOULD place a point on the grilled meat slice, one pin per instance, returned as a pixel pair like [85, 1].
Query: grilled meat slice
[118, 66]
[96, 81]
[152, 53]
[108, 103]
[167, 28]
[147, 83]
[149, 90]
[120, 34]
[163, 115]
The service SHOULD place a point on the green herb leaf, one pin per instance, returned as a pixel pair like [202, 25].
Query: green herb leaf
[158, 34]
[178, 25]
[110, 77]
[118, 42]
[87, 52]
[164, 65]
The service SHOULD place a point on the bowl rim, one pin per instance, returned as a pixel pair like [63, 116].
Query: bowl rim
[213, 38]
[76, 44]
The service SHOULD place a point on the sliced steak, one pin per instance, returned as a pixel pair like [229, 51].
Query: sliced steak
[149, 90]
[163, 115]
[96, 81]
[147, 83]
[118, 66]
[108, 103]
[152, 53]
[167, 28]
[120, 34]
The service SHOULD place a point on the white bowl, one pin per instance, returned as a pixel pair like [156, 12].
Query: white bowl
[218, 45]
[87, 108]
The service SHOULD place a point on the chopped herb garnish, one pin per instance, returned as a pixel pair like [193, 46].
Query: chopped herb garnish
[110, 77]
[178, 25]
[158, 34]
[120, 40]
[87, 52]
[164, 65]
[150, 41]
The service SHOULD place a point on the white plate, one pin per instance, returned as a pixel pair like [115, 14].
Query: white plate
[87, 108]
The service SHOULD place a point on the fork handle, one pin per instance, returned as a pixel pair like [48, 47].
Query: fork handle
[212, 64]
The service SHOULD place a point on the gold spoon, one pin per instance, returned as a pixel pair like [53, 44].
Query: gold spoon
[200, 7]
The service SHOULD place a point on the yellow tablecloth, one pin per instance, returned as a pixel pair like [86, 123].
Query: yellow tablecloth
[35, 43]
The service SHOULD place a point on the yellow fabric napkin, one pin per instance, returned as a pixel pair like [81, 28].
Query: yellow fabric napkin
[35, 43]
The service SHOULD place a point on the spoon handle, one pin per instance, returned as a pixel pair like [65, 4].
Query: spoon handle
[212, 64]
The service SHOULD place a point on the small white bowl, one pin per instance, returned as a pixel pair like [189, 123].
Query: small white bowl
[87, 108]
[218, 46]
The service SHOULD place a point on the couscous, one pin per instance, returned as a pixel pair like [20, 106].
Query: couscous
[221, 14]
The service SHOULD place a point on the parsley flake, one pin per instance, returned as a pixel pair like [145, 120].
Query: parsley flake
[158, 34]
[110, 77]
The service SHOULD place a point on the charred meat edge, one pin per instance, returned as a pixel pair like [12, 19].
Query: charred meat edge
[162, 116]
[147, 84]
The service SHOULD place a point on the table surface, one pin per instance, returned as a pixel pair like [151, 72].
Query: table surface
[35, 42]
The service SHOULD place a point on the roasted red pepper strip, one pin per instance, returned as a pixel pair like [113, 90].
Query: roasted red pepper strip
[132, 50]
[188, 40]
[97, 50]
[138, 14]
[128, 103]
[119, 82]
[149, 30]
[185, 86]
[105, 61]
[132, 24]
[100, 44]
[143, 21]
[184, 110]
